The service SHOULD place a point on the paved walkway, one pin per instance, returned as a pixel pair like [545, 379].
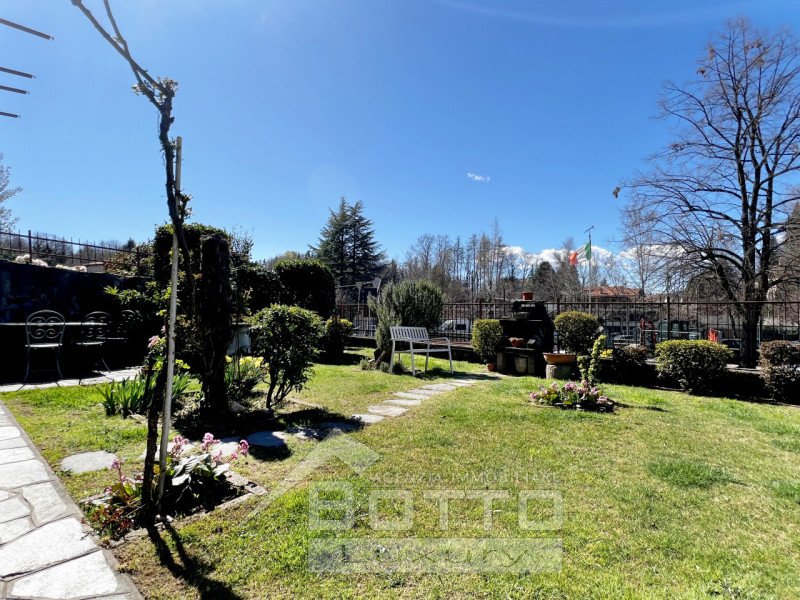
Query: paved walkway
[45, 551]
[105, 377]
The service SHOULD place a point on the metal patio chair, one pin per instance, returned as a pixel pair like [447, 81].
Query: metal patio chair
[93, 332]
[44, 331]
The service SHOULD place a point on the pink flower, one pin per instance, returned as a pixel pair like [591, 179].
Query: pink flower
[208, 440]
[153, 341]
[244, 447]
[116, 464]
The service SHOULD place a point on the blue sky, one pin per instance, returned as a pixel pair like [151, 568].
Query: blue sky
[286, 105]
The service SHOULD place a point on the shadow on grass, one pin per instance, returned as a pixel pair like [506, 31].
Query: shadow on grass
[190, 570]
[652, 407]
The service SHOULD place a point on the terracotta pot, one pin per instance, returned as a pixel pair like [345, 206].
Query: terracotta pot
[517, 342]
[554, 358]
[527, 295]
[491, 367]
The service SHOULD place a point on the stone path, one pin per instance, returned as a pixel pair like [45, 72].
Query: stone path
[401, 402]
[45, 551]
[118, 375]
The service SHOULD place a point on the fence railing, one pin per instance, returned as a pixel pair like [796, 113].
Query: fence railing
[645, 322]
[62, 251]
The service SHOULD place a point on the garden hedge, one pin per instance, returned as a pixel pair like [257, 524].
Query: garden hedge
[577, 331]
[780, 368]
[696, 365]
[487, 338]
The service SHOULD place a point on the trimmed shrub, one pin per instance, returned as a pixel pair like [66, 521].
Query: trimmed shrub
[258, 288]
[335, 338]
[487, 338]
[629, 364]
[307, 283]
[411, 303]
[577, 331]
[696, 365]
[286, 338]
[780, 368]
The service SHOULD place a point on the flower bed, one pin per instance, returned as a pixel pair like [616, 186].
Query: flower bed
[573, 396]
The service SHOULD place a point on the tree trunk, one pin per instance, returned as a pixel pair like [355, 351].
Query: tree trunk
[148, 512]
[214, 319]
[748, 353]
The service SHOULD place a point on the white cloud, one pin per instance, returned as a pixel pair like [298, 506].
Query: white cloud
[481, 178]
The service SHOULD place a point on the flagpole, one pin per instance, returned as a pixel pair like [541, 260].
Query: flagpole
[589, 231]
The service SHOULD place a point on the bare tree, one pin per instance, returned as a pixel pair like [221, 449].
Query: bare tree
[160, 92]
[721, 192]
[6, 220]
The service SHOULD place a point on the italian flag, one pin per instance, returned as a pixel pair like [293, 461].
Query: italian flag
[584, 253]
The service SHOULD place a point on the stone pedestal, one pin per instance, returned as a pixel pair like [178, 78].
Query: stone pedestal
[558, 371]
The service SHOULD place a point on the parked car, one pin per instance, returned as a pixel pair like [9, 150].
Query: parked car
[461, 326]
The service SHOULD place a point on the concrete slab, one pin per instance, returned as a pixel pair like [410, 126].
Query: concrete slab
[13, 508]
[412, 396]
[46, 502]
[9, 432]
[25, 472]
[39, 386]
[82, 577]
[45, 546]
[10, 455]
[13, 387]
[85, 462]
[11, 530]
[402, 402]
[368, 418]
[439, 387]
[424, 392]
[386, 410]
[17, 442]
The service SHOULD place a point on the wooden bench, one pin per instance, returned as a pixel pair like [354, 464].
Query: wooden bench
[418, 342]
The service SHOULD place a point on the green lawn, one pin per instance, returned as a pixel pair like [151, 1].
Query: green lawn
[674, 496]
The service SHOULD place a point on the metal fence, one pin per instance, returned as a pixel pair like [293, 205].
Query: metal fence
[645, 323]
[55, 250]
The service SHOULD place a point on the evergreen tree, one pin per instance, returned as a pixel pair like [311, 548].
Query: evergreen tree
[348, 246]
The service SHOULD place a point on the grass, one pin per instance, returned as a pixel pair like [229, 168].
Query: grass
[673, 496]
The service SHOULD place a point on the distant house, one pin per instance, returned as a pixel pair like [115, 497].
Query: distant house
[613, 293]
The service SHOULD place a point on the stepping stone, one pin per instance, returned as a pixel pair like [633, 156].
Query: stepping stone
[439, 387]
[422, 392]
[461, 383]
[26, 472]
[11, 455]
[13, 387]
[11, 530]
[306, 433]
[402, 402]
[386, 410]
[410, 396]
[86, 462]
[338, 425]
[267, 439]
[227, 448]
[82, 577]
[17, 442]
[51, 543]
[368, 418]
[46, 502]
[13, 508]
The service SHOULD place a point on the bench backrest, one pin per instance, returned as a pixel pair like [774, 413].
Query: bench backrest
[399, 332]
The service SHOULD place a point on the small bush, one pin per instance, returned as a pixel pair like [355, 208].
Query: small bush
[307, 283]
[133, 396]
[335, 338]
[411, 303]
[487, 338]
[780, 368]
[629, 364]
[577, 331]
[696, 365]
[286, 338]
[590, 365]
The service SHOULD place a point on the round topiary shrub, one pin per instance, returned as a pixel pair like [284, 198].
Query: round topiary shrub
[286, 338]
[577, 331]
[696, 365]
[780, 368]
[487, 338]
[629, 364]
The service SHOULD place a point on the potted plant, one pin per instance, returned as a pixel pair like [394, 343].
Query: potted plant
[487, 338]
[576, 334]
[517, 342]
[527, 295]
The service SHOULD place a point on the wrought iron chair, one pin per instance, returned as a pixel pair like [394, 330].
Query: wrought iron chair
[94, 329]
[44, 331]
[121, 331]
